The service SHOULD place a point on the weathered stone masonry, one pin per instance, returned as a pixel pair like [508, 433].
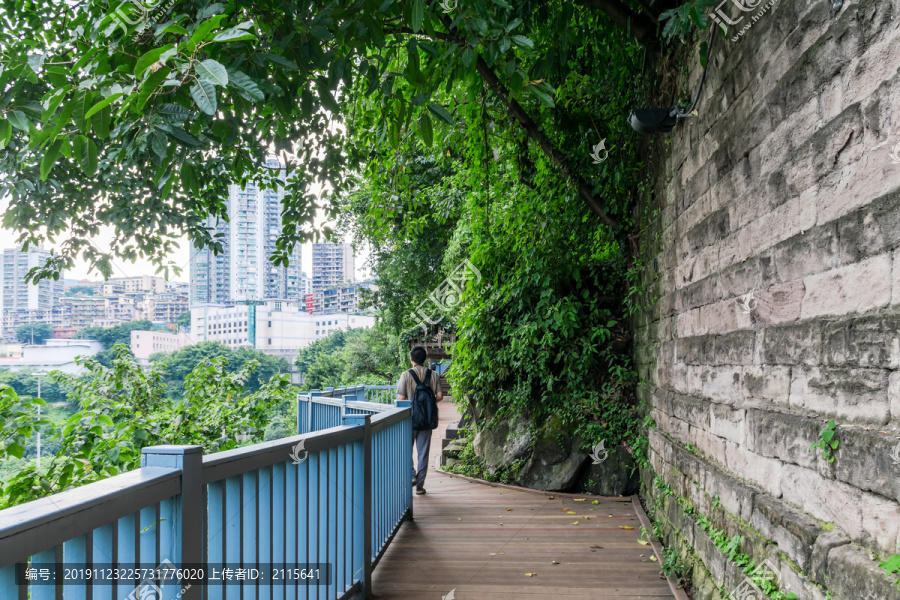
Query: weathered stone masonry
[784, 187]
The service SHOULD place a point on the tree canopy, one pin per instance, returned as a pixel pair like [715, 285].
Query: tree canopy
[35, 333]
[179, 364]
[141, 118]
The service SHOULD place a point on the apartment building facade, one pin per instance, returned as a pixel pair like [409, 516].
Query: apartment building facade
[243, 270]
[21, 302]
[333, 265]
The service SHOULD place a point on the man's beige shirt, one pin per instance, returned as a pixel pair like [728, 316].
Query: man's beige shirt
[407, 385]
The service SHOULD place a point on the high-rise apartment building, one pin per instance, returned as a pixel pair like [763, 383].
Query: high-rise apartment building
[19, 299]
[332, 266]
[243, 271]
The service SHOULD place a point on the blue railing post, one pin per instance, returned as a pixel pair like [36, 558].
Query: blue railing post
[190, 512]
[407, 465]
[362, 496]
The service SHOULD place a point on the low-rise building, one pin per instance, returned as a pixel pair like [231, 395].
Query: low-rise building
[54, 355]
[145, 343]
[281, 327]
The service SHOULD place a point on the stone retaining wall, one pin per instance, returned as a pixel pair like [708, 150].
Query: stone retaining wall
[785, 189]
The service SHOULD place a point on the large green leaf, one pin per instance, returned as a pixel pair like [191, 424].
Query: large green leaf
[441, 112]
[204, 94]
[49, 159]
[150, 57]
[212, 71]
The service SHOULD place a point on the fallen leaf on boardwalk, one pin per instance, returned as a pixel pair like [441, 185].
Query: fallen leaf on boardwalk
[576, 523]
[571, 512]
[579, 499]
[610, 516]
[460, 518]
[653, 558]
[501, 553]
[555, 562]
[595, 502]
[493, 554]
[508, 509]
[530, 574]
[625, 527]
[643, 542]
[551, 497]
[564, 509]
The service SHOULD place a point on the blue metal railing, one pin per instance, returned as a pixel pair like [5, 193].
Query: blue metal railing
[334, 494]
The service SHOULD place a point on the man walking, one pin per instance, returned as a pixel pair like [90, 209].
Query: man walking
[415, 385]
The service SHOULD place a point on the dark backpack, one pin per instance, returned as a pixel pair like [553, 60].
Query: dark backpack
[424, 403]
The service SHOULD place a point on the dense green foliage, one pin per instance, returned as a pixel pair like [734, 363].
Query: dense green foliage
[160, 122]
[123, 409]
[35, 333]
[25, 383]
[353, 357]
[180, 364]
[184, 321]
[543, 330]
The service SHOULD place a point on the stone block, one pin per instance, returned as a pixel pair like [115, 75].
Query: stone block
[793, 531]
[779, 304]
[857, 395]
[690, 409]
[723, 384]
[894, 395]
[807, 253]
[688, 324]
[771, 383]
[853, 576]
[824, 544]
[709, 445]
[695, 350]
[865, 517]
[712, 557]
[723, 316]
[727, 422]
[782, 436]
[741, 277]
[856, 288]
[734, 348]
[699, 293]
[865, 460]
[868, 341]
[870, 230]
[799, 344]
[757, 469]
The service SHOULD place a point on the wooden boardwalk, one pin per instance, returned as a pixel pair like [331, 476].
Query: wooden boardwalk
[481, 542]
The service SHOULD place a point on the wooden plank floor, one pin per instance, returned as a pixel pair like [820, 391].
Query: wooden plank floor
[481, 541]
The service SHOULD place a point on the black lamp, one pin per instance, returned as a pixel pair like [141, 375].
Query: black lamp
[664, 120]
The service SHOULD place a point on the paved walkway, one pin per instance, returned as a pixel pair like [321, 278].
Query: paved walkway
[484, 542]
